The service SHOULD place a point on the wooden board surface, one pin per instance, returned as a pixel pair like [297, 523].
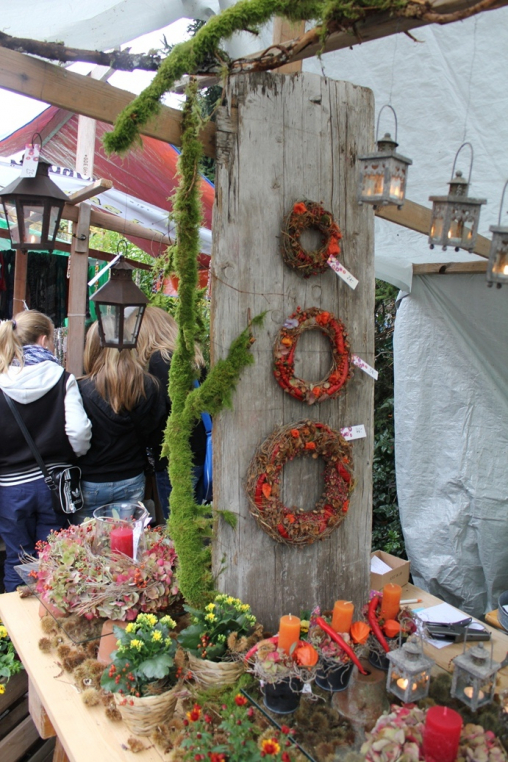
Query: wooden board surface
[304, 146]
[85, 733]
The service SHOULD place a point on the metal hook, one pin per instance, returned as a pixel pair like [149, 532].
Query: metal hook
[501, 205]
[123, 242]
[471, 164]
[37, 135]
[387, 105]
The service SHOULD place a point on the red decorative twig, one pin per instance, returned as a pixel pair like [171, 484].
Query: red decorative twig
[341, 643]
[376, 629]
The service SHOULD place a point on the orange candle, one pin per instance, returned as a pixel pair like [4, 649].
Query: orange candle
[342, 616]
[390, 605]
[289, 632]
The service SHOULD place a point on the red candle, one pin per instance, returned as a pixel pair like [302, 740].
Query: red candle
[442, 734]
[289, 632]
[342, 616]
[390, 605]
[122, 540]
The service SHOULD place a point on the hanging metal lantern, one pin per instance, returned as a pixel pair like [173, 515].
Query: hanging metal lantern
[497, 268]
[120, 306]
[455, 217]
[409, 672]
[33, 209]
[474, 677]
[383, 174]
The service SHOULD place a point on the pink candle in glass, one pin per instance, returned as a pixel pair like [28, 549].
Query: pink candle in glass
[122, 541]
[442, 734]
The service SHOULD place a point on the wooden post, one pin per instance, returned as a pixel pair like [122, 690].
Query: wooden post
[281, 139]
[20, 270]
[78, 290]
[284, 30]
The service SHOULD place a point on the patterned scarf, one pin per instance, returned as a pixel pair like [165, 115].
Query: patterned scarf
[34, 354]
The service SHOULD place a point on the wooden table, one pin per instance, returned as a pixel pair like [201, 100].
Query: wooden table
[85, 734]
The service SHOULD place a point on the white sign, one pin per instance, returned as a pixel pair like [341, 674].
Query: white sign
[364, 366]
[30, 160]
[342, 272]
[353, 432]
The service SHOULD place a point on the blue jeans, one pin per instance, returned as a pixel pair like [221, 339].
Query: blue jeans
[26, 516]
[164, 487]
[96, 494]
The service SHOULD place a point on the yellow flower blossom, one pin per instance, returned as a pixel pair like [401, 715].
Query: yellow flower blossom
[137, 644]
[3, 631]
[130, 627]
[2, 688]
[169, 621]
[151, 619]
[210, 607]
[230, 599]
[210, 617]
[245, 607]
[156, 635]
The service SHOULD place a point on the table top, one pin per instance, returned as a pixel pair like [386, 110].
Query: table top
[85, 732]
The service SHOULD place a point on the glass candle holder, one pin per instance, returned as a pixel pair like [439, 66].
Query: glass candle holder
[120, 529]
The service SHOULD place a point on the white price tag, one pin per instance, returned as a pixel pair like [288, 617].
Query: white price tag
[307, 688]
[364, 366]
[342, 272]
[30, 160]
[353, 432]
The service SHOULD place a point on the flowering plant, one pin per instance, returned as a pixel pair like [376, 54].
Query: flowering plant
[233, 736]
[326, 646]
[145, 653]
[9, 663]
[224, 626]
[76, 581]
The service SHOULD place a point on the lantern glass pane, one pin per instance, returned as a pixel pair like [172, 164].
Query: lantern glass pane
[373, 181]
[397, 188]
[32, 219]
[12, 220]
[53, 222]
[132, 321]
[111, 314]
[500, 265]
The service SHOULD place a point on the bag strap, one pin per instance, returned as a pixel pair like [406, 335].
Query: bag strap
[30, 442]
[205, 417]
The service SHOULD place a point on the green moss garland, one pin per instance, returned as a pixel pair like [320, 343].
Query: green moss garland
[247, 15]
[189, 525]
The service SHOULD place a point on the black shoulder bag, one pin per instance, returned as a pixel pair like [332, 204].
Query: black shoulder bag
[64, 482]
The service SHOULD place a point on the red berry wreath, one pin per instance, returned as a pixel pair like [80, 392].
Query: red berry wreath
[284, 355]
[295, 526]
[307, 215]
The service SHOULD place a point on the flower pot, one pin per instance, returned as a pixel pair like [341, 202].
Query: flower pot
[333, 676]
[46, 608]
[210, 673]
[364, 701]
[108, 640]
[142, 715]
[283, 697]
[379, 661]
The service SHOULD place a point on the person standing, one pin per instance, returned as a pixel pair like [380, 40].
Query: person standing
[125, 405]
[49, 402]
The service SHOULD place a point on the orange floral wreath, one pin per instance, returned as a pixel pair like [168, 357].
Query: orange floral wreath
[295, 526]
[309, 215]
[284, 355]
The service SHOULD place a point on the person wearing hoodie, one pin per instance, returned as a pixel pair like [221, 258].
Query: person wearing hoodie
[50, 404]
[125, 405]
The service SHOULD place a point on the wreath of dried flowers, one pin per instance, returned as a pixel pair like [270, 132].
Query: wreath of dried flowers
[284, 355]
[295, 526]
[309, 215]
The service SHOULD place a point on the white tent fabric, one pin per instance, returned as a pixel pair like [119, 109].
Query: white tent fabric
[451, 431]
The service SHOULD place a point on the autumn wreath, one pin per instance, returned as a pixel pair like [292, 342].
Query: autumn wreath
[308, 215]
[284, 355]
[296, 526]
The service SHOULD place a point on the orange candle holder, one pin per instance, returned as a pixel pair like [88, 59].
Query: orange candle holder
[342, 617]
[289, 632]
[390, 604]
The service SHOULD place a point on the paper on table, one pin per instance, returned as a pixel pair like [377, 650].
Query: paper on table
[444, 614]
[378, 567]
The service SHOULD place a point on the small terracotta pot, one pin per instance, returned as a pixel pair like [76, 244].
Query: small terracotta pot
[46, 609]
[108, 640]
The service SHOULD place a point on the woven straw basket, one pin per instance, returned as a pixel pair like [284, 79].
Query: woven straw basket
[142, 715]
[210, 673]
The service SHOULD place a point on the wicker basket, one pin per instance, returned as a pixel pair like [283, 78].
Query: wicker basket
[210, 673]
[144, 714]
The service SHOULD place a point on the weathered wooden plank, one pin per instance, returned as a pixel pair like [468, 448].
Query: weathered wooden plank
[284, 30]
[20, 270]
[19, 740]
[16, 714]
[447, 268]
[17, 687]
[89, 191]
[78, 264]
[39, 714]
[310, 133]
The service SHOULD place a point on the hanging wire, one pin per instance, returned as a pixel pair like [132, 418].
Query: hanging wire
[470, 78]
[393, 60]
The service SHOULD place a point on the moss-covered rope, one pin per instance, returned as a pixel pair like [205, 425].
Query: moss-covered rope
[197, 53]
[189, 525]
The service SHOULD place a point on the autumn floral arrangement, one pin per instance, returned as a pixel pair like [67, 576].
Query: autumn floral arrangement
[271, 664]
[335, 648]
[386, 633]
[291, 525]
[75, 580]
[9, 662]
[284, 355]
[399, 736]
[309, 215]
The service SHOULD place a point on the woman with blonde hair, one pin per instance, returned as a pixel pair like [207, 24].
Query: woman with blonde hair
[125, 405]
[49, 402]
[156, 344]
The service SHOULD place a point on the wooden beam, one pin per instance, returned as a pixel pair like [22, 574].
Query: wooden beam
[83, 95]
[284, 30]
[448, 268]
[78, 289]
[89, 191]
[20, 269]
[107, 221]
[417, 217]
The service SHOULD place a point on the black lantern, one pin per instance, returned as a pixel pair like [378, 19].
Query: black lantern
[455, 217]
[120, 306]
[33, 208]
[383, 174]
[497, 268]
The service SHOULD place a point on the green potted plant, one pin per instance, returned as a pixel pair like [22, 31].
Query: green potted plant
[9, 662]
[144, 672]
[216, 639]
